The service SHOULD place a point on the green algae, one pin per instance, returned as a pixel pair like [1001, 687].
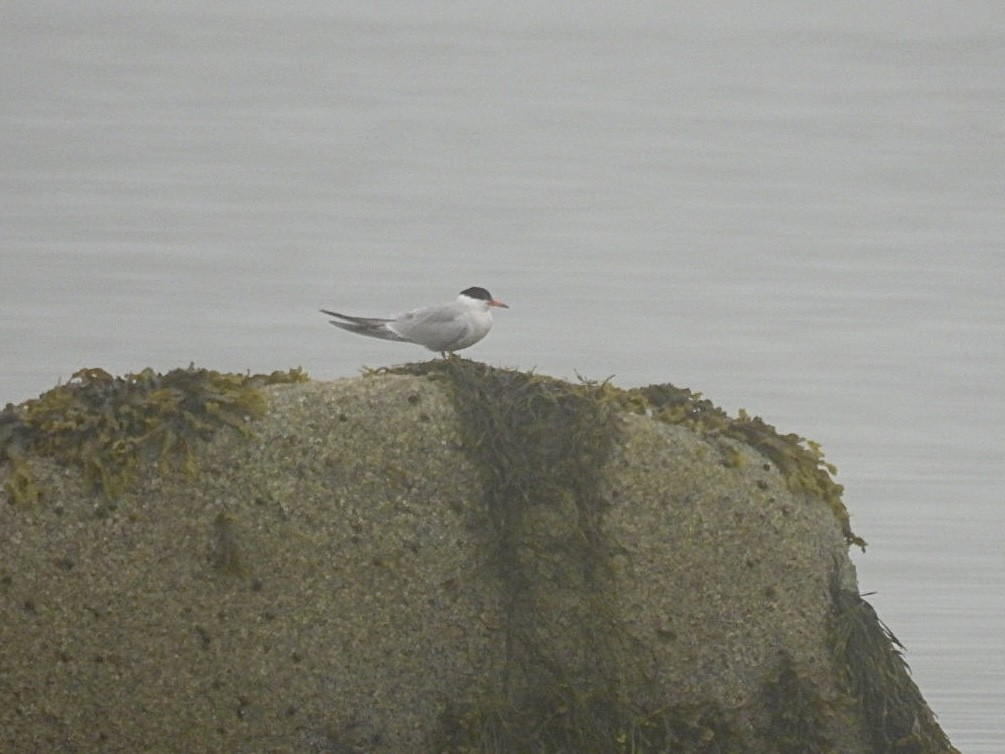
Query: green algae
[106, 426]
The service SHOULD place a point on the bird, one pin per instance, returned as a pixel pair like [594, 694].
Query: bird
[445, 328]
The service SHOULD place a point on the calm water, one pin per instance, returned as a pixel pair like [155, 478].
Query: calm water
[801, 215]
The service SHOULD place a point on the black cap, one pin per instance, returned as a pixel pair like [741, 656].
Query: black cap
[478, 293]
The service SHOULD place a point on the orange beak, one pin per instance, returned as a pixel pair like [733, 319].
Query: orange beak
[500, 304]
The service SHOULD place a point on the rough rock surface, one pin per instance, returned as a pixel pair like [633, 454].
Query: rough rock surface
[342, 578]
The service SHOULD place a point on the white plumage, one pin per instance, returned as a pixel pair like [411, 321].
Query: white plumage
[445, 328]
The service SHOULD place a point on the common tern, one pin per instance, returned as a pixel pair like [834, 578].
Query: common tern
[445, 328]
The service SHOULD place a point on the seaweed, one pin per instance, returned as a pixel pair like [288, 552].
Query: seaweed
[105, 426]
[540, 444]
[801, 461]
[872, 669]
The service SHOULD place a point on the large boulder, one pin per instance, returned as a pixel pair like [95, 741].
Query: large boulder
[445, 558]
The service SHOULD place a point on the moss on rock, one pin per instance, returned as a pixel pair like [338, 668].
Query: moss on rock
[105, 425]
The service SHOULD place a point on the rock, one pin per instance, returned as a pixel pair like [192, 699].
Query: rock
[450, 558]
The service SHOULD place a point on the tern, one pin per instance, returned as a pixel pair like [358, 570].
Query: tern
[445, 328]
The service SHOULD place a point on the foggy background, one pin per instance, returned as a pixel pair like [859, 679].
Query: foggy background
[795, 209]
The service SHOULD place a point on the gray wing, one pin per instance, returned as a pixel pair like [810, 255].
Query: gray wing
[438, 328]
[372, 327]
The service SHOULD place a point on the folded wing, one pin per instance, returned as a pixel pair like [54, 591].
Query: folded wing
[443, 328]
[372, 327]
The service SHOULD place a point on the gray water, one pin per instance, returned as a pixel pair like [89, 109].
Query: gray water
[796, 209]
